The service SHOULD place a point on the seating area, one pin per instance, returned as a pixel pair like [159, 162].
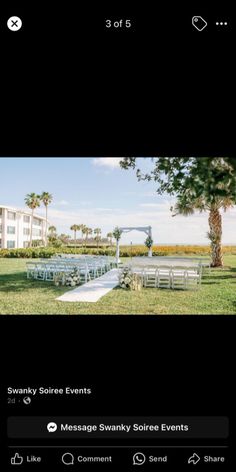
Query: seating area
[89, 267]
[172, 261]
[171, 273]
[156, 272]
[184, 278]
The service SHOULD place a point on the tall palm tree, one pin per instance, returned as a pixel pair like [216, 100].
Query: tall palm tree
[110, 236]
[46, 198]
[32, 200]
[87, 231]
[187, 205]
[52, 236]
[82, 229]
[97, 232]
[75, 228]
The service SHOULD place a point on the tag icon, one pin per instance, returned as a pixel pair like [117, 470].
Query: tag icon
[199, 23]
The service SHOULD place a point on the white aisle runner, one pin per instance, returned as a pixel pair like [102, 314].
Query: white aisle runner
[94, 290]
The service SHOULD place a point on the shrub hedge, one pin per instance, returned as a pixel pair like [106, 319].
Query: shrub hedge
[125, 251]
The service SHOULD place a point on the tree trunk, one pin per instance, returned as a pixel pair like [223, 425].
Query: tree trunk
[46, 227]
[31, 227]
[215, 223]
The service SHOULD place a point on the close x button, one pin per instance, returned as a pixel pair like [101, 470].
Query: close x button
[14, 23]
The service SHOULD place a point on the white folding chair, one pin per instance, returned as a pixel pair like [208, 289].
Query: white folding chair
[92, 268]
[164, 277]
[49, 271]
[84, 273]
[40, 271]
[30, 267]
[150, 277]
[193, 278]
[178, 278]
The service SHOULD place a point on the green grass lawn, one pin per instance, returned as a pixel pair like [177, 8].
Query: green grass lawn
[18, 295]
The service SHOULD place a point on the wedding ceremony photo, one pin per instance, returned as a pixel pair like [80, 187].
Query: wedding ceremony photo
[118, 236]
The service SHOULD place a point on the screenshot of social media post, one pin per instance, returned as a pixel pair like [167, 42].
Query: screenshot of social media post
[117, 274]
[116, 236]
[102, 441]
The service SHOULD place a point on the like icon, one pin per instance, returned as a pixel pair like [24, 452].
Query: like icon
[16, 459]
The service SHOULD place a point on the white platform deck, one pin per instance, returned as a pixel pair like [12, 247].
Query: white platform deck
[94, 290]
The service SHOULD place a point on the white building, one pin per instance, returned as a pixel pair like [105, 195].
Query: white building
[15, 228]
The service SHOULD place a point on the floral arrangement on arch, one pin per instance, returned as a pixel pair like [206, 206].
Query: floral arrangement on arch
[149, 242]
[130, 281]
[70, 280]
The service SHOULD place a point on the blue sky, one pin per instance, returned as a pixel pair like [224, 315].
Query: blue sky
[96, 192]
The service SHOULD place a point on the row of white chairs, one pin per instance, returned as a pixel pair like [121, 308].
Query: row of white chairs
[111, 259]
[172, 261]
[174, 277]
[99, 264]
[48, 269]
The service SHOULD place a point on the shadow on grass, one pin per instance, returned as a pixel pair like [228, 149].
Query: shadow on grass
[210, 282]
[215, 271]
[19, 283]
[220, 277]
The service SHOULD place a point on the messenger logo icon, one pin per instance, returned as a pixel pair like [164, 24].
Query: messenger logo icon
[52, 427]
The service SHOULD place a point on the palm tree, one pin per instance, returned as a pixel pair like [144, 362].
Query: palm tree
[82, 229]
[32, 200]
[52, 230]
[98, 233]
[110, 236]
[46, 198]
[186, 206]
[75, 228]
[87, 231]
[52, 237]
[64, 238]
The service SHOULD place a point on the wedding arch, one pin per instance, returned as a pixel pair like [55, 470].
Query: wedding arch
[145, 229]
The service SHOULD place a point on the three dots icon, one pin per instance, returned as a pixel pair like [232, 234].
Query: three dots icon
[221, 23]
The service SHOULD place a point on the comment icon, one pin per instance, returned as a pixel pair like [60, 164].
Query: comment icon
[68, 459]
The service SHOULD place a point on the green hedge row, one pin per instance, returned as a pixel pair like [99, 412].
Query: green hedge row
[46, 253]
[125, 251]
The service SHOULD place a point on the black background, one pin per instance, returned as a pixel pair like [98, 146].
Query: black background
[70, 88]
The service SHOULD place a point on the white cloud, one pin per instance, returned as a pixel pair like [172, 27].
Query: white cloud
[150, 205]
[62, 203]
[110, 162]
